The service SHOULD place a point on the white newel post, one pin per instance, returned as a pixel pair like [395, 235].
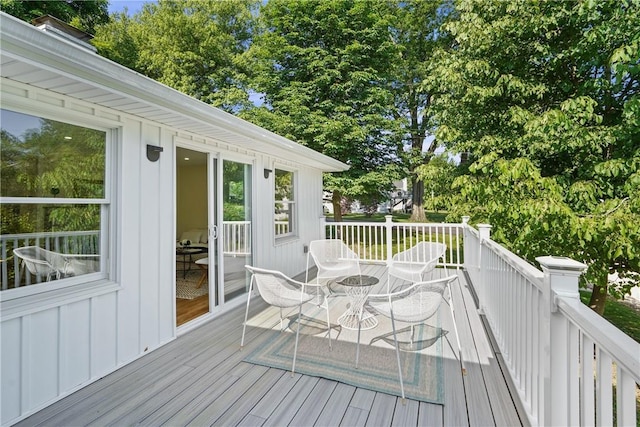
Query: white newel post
[323, 227]
[484, 232]
[389, 232]
[465, 242]
[559, 370]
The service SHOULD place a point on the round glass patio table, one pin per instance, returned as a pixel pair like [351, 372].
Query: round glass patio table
[357, 288]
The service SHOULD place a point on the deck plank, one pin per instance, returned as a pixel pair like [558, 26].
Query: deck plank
[382, 410]
[478, 405]
[201, 378]
[291, 403]
[254, 394]
[336, 406]
[228, 397]
[500, 399]
[406, 414]
[312, 408]
[430, 415]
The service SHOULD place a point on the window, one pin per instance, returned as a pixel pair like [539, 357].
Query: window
[285, 205]
[54, 200]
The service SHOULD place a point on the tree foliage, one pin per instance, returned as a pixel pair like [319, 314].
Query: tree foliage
[417, 32]
[438, 176]
[544, 95]
[194, 46]
[85, 15]
[325, 69]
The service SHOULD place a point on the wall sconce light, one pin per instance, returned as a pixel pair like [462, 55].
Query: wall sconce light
[153, 152]
[267, 172]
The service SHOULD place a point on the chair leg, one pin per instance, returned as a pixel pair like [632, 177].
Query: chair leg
[326, 302]
[359, 328]
[281, 319]
[246, 313]
[295, 348]
[395, 340]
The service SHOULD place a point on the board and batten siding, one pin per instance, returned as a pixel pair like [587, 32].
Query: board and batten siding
[287, 254]
[56, 342]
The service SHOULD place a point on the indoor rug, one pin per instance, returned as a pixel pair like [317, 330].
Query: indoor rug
[186, 288]
[377, 370]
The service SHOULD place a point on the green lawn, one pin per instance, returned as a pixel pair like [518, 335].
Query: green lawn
[397, 217]
[624, 317]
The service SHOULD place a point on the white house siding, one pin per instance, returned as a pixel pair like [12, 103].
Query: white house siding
[55, 344]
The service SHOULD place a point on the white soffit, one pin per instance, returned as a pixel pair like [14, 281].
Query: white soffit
[30, 56]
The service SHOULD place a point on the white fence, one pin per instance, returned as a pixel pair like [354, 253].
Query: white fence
[69, 242]
[569, 365]
[236, 237]
[378, 241]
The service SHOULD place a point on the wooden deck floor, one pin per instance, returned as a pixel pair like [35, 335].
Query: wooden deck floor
[200, 379]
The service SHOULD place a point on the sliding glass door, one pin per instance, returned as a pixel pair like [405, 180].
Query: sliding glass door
[236, 227]
[196, 247]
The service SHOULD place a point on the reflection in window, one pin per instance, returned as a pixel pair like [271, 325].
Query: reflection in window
[236, 231]
[54, 173]
[285, 218]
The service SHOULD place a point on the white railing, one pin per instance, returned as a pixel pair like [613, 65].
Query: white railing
[68, 242]
[559, 353]
[236, 237]
[236, 240]
[378, 241]
[281, 227]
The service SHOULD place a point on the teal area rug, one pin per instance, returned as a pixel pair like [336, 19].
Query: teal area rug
[421, 355]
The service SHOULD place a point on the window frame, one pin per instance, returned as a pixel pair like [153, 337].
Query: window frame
[108, 208]
[293, 204]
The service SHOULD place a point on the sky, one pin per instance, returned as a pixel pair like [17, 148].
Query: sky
[132, 6]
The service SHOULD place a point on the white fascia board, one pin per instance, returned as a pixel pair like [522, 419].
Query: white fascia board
[30, 44]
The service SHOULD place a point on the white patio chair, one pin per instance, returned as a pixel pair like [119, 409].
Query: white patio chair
[283, 292]
[41, 262]
[414, 305]
[333, 259]
[78, 264]
[418, 262]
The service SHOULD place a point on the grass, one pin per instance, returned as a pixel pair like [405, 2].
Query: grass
[619, 314]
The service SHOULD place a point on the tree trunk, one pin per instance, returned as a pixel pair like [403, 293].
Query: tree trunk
[598, 298]
[417, 206]
[337, 206]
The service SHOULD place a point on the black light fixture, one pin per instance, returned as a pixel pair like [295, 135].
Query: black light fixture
[267, 172]
[153, 152]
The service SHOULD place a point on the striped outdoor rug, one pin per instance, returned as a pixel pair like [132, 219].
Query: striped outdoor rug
[423, 374]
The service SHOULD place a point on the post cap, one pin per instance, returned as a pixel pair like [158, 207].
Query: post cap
[561, 263]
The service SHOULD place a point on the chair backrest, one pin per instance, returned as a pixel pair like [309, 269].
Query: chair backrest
[276, 288]
[416, 262]
[423, 252]
[418, 302]
[41, 262]
[334, 258]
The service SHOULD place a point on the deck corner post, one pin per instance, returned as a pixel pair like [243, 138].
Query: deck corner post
[388, 225]
[561, 276]
[323, 227]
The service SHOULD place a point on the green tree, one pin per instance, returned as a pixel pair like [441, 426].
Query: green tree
[438, 176]
[544, 95]
[194, 46]
[325, 69]
[417, 32]
[85, 15]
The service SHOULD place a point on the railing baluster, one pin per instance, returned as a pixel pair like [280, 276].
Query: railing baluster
[604, 389]
[587, 416]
